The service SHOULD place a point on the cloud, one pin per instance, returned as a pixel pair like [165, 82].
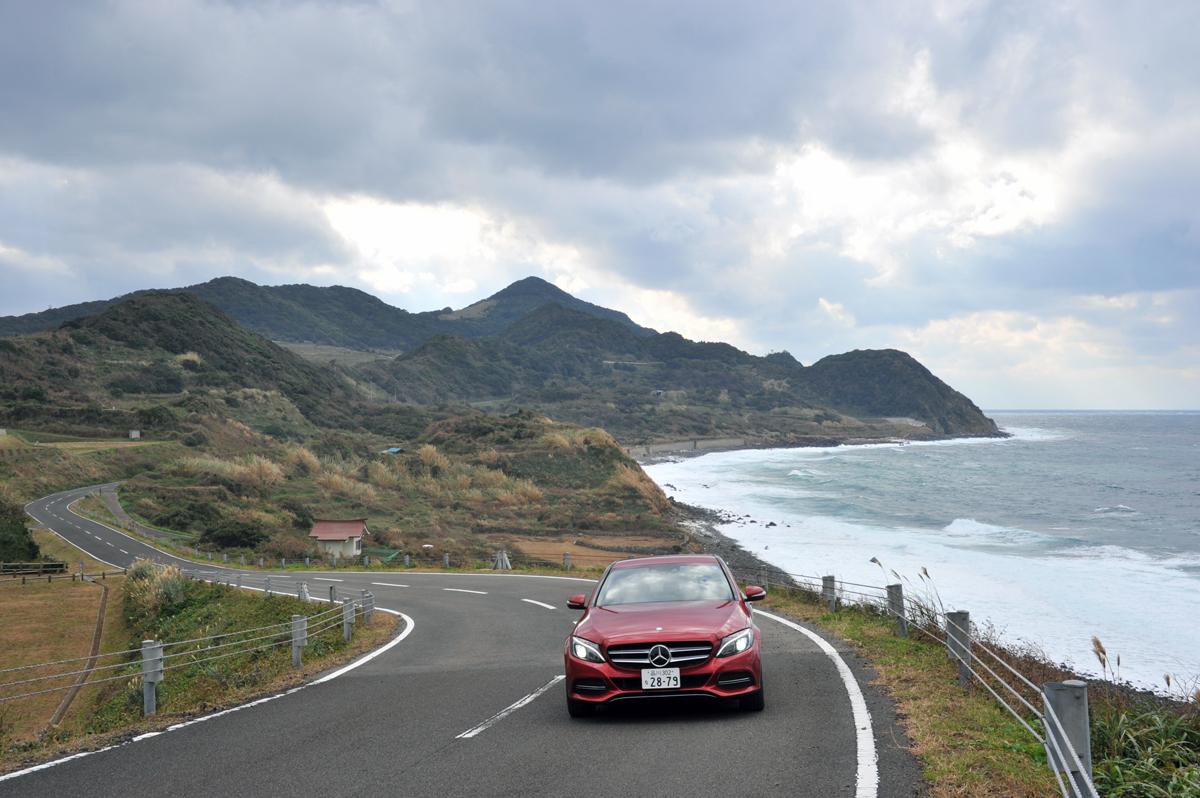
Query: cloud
[814, 179]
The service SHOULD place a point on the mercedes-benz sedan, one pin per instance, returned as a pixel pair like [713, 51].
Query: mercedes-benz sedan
[661, 627]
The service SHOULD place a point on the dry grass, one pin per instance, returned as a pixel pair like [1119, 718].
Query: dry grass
[43, 623]
[333, 483]
[434, 461]
[631, 478]
[300, 460]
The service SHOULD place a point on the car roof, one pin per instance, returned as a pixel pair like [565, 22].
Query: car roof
[666, 559]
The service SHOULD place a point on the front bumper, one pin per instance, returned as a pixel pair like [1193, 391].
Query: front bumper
[728, 677]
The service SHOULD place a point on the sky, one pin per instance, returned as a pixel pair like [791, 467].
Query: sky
[1008, 191]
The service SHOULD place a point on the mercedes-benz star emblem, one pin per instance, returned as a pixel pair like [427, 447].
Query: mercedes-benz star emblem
[660, 656]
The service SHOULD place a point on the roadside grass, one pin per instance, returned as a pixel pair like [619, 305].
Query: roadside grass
[43, 623]
[966, 743]
[183, 610]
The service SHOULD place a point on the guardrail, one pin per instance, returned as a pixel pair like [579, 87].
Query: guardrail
[156, 658]
[1061, 725]
[76, 576]
[32, 567]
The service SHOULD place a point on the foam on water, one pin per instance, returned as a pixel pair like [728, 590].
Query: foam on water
[1053, 586]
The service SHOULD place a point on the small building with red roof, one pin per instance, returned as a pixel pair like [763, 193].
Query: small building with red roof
[339, 538]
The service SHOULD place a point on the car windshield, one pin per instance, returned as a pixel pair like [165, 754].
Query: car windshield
[666, 582]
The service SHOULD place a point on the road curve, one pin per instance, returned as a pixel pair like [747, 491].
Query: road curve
[469, 704]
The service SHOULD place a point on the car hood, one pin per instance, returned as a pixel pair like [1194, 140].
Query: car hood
[679, 620]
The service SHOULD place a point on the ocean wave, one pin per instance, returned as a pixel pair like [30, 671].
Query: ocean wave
[1119, 508]
[980, 532]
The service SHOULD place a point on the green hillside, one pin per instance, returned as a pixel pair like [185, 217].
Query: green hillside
[339, 316]
[644, 387]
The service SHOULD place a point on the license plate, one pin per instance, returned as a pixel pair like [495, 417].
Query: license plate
[660, 679]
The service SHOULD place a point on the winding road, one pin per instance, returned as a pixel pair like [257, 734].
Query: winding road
[470, 703]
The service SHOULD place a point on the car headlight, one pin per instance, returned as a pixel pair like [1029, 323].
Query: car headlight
[736, 643]
[586, 650]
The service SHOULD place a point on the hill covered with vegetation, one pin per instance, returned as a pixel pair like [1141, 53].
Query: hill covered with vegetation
[641, 388]
[341, 316]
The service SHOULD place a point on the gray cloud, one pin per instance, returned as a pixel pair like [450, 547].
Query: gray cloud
[150, 144]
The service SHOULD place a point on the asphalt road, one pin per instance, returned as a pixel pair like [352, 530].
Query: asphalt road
[401, 723]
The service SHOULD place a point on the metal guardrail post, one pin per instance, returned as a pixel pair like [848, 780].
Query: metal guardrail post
[895, 597]
[299, 637]
[446, 560]
[829, 592]
[152, 673]
[407, 561]
[368, 606]
[332, 594]
[260, 562]
[307, 561]
[242, 559]
[1068, 701]
[566, 560]
[958, 639]
[283, 562]
[347, 620]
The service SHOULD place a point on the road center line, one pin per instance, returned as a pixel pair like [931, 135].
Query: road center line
[388, 584]
[867, 779]
[323, 579]
[508, 710]
[464, 590]
[540, 604]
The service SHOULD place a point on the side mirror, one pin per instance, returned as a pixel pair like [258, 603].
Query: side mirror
[755, 593]
[577, 602]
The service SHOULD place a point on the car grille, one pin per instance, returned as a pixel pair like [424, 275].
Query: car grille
[637, 655]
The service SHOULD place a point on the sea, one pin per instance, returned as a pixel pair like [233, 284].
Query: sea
[1080, 524]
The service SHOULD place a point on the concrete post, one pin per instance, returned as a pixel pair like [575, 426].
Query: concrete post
[566, 560]
[302, 592]
[335, 561]
[347, 620]
[242, 559]
[299, 637]
[209, 553]
[895, 595]
[366, 561]
[239, 580]
[152, 673]
[260, 562]
[368, 605]
[1068, 701]
[81, 569]
[268, 585]
[958, 638]
[332, 594]
[446, 560]
[829, 592]
[307, 562]
[224, 557]
[283, 562]
[407, 561]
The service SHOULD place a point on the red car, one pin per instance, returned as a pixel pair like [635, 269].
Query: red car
[664, 627]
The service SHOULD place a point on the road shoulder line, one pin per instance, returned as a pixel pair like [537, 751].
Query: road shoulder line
[867, 778]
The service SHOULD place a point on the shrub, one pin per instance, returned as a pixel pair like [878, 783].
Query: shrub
[434, 461]
[302, 461]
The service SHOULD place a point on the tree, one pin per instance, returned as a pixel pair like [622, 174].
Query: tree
[16, 544]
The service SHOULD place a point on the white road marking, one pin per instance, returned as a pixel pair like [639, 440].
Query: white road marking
[363, 660]
[386, 584]
[106, 543]
[122, 551]
[320, 579]
[511, 708]
[463, 590]
[540, 604]
[868, 761]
